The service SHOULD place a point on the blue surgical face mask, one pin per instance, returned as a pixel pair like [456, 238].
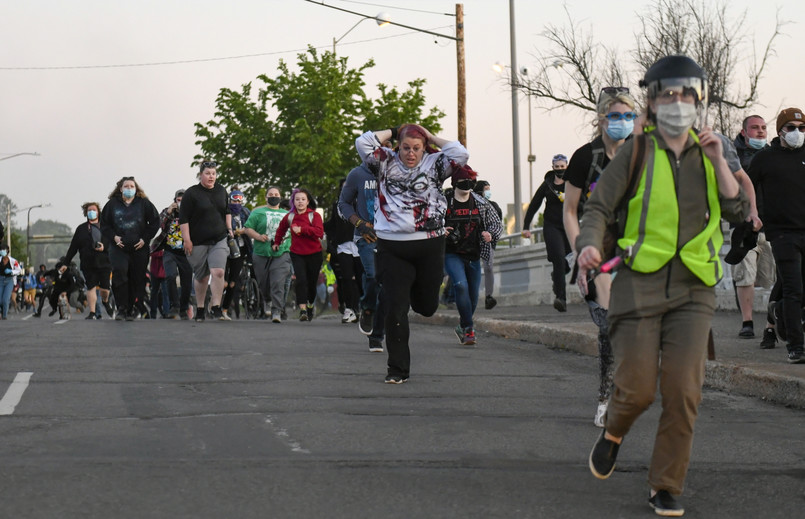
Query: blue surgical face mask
[618, 130]
[757, 144]
[129, 192]
[3, 253]
[488, 194]
[91, 215]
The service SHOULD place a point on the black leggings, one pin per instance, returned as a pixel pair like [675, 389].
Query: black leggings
[128, 276]
[411, 273]
[306, 268]
[348, 273]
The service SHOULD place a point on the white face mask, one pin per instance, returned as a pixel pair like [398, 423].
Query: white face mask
[794, 139]
[677, 118]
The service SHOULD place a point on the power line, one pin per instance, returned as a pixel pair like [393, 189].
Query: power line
[204, 60]
[397, 7]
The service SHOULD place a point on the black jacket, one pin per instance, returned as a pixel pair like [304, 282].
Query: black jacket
[778, 175]
[83, 244]
[553, 194]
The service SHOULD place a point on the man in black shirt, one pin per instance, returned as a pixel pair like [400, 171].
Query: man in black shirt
[206, 225]
[778, 173]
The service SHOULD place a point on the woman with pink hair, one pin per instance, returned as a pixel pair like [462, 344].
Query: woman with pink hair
[409, 223]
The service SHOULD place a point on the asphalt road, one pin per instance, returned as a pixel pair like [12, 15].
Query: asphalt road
[252, 419]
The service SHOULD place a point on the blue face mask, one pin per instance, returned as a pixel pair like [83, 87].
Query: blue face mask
[488, 194]
[91, 215]
[129, 193]
[618, 130]
[757, 144]
[3, 253]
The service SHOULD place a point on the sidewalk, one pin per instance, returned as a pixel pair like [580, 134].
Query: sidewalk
[740, 367]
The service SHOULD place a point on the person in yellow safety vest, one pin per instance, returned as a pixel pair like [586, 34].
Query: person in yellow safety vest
[662, 300]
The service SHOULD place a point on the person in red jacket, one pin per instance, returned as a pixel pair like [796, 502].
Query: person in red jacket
[307, 230]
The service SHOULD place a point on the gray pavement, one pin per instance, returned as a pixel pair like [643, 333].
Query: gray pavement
[740, 367]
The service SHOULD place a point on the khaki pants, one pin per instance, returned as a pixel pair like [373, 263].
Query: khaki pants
[670, 345]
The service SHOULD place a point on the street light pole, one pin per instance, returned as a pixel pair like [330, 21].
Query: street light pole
[531, 157]
[35, 154]
[518, 203]
[28, 234]
[460, 69]
[382, 20]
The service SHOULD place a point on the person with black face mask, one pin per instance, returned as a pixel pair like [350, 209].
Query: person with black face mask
[552, 191]
[472, 227]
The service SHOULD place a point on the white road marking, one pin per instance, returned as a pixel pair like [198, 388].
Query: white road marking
[62, 321]
[14, 393]
[27, 317]
[285, 438]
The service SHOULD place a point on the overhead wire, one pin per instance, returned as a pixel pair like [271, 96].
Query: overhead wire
[204, 60]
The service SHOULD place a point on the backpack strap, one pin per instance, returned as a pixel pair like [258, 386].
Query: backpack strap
[597, 162]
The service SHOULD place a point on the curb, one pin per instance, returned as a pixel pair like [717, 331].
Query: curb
[723, 376]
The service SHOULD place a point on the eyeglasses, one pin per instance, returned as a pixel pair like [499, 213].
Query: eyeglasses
[617, 116]
[559, 157]
[793, 127]
[615, 90]
[205, 165]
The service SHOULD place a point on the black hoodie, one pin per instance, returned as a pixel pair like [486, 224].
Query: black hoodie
[778, 175]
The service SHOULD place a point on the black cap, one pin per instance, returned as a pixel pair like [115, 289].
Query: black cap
[179, 193]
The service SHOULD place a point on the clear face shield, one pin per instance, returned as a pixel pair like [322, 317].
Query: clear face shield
[685, 89]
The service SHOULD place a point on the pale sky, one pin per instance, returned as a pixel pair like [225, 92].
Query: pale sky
[94, 125]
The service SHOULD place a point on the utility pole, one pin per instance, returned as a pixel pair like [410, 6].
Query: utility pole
[518, 204]
[461, 76]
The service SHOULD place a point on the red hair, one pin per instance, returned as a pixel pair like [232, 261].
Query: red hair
[412, 131]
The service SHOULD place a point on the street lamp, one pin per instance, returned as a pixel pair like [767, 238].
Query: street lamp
[35, 154]
[28, 233]
[382, 20]
[460, 69]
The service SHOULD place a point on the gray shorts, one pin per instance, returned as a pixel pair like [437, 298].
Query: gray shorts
[206, 257]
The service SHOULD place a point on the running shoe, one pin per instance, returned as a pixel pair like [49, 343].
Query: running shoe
[375, 345]
[276, 316]
[396, 379]
[600, 413]
[349, 316]
[303, 315]
[769, 341]
[200, 315]
[665, 505]
[366, 322]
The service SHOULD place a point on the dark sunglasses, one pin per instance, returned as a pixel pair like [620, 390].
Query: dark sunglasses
[127, 178]
[559, 157]
[205, 165]
[615, 90]
[617, 116]
[793, 127]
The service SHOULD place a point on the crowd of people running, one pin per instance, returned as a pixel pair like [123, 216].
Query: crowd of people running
[634, 216]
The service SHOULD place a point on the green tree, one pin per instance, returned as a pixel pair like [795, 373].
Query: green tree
[299, 128]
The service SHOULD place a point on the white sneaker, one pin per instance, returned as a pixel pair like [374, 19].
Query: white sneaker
[599, 414]
[349, 316]
[276, 317]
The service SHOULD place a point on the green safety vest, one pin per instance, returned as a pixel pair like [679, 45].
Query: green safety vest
[652, 222]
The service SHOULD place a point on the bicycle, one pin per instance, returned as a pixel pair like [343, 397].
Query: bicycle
[251, 296]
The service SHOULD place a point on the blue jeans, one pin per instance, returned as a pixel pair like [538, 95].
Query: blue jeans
[371, 288]
[6, 291]
[466, 277]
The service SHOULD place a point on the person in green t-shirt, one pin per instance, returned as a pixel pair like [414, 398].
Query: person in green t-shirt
[271, 267]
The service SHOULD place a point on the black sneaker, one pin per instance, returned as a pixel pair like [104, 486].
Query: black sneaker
[395, 379]
[303, 315]
[110, 311]
[132, 314]
[309, 312]
[366, 321]
[216, 313]
[90, 316]
[769, 341]
[459, 333]
[560, 304]
[199, 318]
[490, 302]
[796, 355]
[603, 456]
[665, 504]
[121, 313]
[747, 332]
[375, 345]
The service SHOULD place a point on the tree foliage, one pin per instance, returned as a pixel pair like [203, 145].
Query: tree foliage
[298, 128]
[710, 32]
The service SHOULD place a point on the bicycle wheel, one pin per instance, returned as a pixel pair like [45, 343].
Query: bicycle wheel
[253, 300]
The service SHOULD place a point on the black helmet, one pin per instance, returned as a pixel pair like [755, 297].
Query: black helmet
[676, 71]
